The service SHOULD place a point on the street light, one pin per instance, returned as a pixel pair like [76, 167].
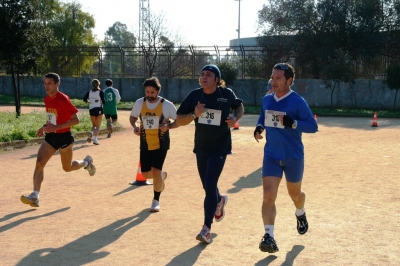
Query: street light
[238, 29]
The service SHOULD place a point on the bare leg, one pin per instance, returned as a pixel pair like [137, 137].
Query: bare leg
[270, 191]
[46, 151]
[298, 196]
[66, 160]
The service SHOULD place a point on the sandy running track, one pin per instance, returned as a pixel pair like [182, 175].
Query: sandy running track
[351, 181]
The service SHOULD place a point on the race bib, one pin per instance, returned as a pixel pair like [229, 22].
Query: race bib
[211, 117]
[150, 122]
[51, 117]
[272, 119]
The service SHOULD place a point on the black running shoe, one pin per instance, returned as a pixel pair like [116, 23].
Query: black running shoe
[302, 224]
[268, 244]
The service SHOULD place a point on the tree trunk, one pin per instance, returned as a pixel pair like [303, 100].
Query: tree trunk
[395, 97]
[16, 91]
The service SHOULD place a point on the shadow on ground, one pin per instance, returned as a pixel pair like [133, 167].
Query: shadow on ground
[83, 250]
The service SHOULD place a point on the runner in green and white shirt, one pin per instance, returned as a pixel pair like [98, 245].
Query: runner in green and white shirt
[112, 97]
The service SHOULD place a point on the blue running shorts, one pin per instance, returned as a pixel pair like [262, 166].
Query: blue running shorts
[293, 169]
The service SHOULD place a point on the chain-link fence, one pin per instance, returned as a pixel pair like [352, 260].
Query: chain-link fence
[251, 62]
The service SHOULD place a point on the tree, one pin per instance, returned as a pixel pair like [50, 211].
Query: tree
[160, 47]
[318, 28]
[393, 78]
[228, 72]
[71, 35]
[120, 42]
[22, 38]
[339, 70]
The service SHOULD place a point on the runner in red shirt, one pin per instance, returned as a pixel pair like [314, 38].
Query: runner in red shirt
[61, 116]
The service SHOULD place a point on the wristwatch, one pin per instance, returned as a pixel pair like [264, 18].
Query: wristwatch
[193, 115]
[294, 125]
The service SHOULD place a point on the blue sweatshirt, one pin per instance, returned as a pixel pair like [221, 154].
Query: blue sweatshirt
[285, 143]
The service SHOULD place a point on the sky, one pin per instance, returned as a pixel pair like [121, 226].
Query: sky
[199, 23]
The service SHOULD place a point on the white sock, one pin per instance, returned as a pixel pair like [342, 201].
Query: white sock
[300, 212]
[36, 193]
[86, 164]
[269, 228]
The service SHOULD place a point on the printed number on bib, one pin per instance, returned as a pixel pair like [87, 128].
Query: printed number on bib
[52, 118]
[272, 118]
[211, 117]
[150, 122]
[109, 97]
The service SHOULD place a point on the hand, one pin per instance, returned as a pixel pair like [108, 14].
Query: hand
[49, 128]
[231, 120]
[287, 121]
[257, 133]
[136, 131]
[199, 109]
[164, 127]
[40, 132]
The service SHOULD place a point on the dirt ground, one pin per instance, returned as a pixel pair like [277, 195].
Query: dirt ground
[351, 181]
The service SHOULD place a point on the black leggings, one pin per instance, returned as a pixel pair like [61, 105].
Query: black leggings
[210, 165]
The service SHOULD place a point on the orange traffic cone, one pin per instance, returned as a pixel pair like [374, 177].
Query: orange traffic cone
[316, 119]
[374, 120]
[236, 127]
[140, 179]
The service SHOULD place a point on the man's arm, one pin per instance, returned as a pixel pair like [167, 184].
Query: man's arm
[133, 120]
[53, 128]
[238, 112]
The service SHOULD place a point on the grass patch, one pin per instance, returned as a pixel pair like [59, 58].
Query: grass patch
[25, 127]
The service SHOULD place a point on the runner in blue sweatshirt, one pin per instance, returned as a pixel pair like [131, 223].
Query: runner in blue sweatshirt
[284, 116]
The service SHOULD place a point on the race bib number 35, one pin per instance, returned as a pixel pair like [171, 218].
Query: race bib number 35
[150, 122]
[272, 118]
[211, 117]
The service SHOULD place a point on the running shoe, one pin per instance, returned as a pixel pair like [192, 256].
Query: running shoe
[302, 224]
[31, 200]
[220, 212]
[204, 235]
[90, 167]
[268, 244]
[96, 142]
[155, 206]
[89, 138]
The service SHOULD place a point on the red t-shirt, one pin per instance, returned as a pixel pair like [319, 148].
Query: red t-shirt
[59, 110]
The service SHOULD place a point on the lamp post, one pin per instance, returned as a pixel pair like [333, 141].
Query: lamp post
[238, 29]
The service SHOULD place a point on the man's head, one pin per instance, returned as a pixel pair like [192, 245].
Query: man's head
[51, 83]
[152, 88]
[54, 76]
[109, 83]
[212, 68]
[288, 71]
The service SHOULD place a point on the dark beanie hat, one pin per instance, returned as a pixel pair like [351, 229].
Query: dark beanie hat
[213, 68]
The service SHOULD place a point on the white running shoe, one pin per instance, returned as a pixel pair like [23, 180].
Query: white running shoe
[204, 235]
[90, 167]
[89, 138]
[96, 142]
[220, 212]
[31, 200]
[155, 206]
[163, 177]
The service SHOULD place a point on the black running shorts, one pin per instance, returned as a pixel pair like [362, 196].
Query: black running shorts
[59, 140]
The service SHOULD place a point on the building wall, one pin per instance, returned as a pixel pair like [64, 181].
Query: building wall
[370, 94]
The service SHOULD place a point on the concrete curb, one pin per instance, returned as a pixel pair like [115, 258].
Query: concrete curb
[18, 144]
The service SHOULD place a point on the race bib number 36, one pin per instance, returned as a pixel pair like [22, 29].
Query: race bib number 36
[150, 122]
[272, 118]
[211, 117]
